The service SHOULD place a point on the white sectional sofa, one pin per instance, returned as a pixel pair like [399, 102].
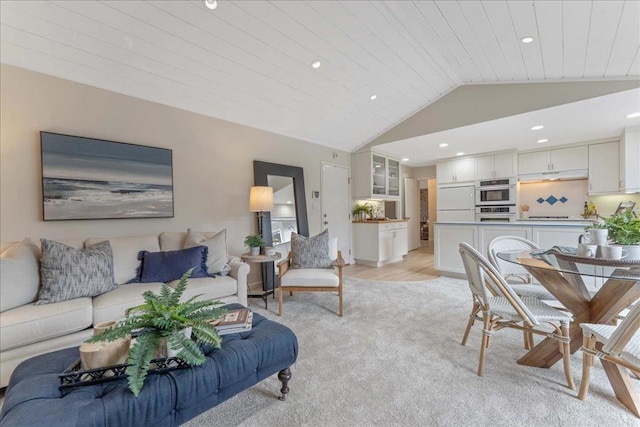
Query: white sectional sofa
[27, 330]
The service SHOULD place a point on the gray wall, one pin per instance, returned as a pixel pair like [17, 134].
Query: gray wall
[212, 159]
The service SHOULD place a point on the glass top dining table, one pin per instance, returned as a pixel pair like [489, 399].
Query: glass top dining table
[613, 286]
[565, 261]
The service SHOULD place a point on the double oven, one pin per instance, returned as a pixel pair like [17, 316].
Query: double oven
[496, 200]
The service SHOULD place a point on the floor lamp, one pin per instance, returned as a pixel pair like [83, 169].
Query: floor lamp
[261, 201]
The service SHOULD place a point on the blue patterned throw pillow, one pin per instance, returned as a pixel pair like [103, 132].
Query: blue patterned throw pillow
[310, 252]
[67, 273]
[171, 265]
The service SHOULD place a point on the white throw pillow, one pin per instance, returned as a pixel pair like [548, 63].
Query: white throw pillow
[125, 254]
[19, 275]
[217, 244]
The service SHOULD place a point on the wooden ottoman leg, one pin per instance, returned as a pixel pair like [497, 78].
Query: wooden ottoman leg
[284, 376]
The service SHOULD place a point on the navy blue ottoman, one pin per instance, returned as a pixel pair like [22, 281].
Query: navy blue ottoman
[168, 399]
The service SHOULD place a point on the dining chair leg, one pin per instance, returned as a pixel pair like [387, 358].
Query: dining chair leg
[566, 356]
[528, 340]
[486, 333]
[472, 318]
[587, 363]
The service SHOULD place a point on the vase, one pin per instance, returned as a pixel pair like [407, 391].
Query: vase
[104, 353]
[255, 251]
[165, 351]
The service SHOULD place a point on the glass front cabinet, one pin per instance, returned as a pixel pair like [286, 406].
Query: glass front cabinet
[375, 176]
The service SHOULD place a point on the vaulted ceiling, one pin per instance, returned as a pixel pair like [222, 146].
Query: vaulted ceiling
[249, 62]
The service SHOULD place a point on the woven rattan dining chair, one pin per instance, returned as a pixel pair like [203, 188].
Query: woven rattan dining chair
[516, 275]
[620, 345]
[500, 307]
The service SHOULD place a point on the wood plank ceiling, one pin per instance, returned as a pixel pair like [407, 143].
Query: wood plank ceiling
[249, 62]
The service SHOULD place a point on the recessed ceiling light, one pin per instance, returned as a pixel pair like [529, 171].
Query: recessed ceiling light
[315, 64]
[289, 202]
[460, 153]
[405, 160]
[540, 141]
[211, 4]
[373, 97]
[527, 39]
[633, 115]
[537, 127]
[444, 144]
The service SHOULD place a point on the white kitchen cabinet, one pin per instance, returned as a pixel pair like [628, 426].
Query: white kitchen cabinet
[495, 166]
[446, 246]
[557, 160]
[629, 161]
[487, 234]
[459, 170]
[375, 176]
[547, 237]
[379, 243]
[448, 237]
[604, 161]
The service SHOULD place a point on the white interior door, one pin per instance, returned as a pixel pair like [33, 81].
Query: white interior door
[412, 211]
[336, 206]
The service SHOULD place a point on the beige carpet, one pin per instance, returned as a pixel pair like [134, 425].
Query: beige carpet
[395, 359]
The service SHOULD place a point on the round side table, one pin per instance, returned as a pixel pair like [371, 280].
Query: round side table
[262, 258]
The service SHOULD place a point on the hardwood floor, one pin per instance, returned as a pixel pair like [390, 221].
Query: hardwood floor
[416, 266]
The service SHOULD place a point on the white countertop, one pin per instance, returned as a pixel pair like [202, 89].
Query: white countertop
[525, 223]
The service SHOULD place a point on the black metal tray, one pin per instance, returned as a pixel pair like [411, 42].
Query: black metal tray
[75, 376]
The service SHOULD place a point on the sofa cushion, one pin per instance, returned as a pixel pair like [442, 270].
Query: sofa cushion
[19, 275]
[217, 244]
[211, 288]
[310, 252]
[125, 254]
[112, 305]
[67, 273]
[311, 277]
[171, 265]
[31, 323]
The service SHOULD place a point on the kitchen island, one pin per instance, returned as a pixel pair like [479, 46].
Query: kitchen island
[379, 242]
[545, 234]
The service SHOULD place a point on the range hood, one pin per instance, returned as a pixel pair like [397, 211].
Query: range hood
[554, 175]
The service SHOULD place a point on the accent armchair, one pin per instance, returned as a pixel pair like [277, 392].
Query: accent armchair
[312, 279]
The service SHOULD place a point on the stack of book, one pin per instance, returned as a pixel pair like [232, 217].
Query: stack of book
[234, 321]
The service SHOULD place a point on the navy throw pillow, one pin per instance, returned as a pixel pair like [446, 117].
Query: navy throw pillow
[171, 265]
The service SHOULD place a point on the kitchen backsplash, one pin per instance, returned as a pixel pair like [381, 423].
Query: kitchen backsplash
[560, 198]
[554, 198]
[608, 204]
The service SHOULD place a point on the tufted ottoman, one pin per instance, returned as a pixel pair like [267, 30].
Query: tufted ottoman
[172, 398]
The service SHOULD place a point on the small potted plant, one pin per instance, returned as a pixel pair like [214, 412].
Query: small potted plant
[624, 230]
[360, 211]
[164, 319]
[254, 242]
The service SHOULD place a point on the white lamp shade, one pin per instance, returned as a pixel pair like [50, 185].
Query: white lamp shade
[261, 199]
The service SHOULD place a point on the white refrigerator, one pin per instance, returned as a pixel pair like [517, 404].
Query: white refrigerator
[456, 204]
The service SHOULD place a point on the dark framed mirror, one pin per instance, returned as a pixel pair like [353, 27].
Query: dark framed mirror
[288, 186]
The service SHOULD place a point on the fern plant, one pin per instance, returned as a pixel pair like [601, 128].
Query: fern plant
[624, 228]
[163, 317]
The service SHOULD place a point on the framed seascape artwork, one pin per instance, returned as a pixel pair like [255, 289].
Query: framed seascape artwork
[85, 178]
